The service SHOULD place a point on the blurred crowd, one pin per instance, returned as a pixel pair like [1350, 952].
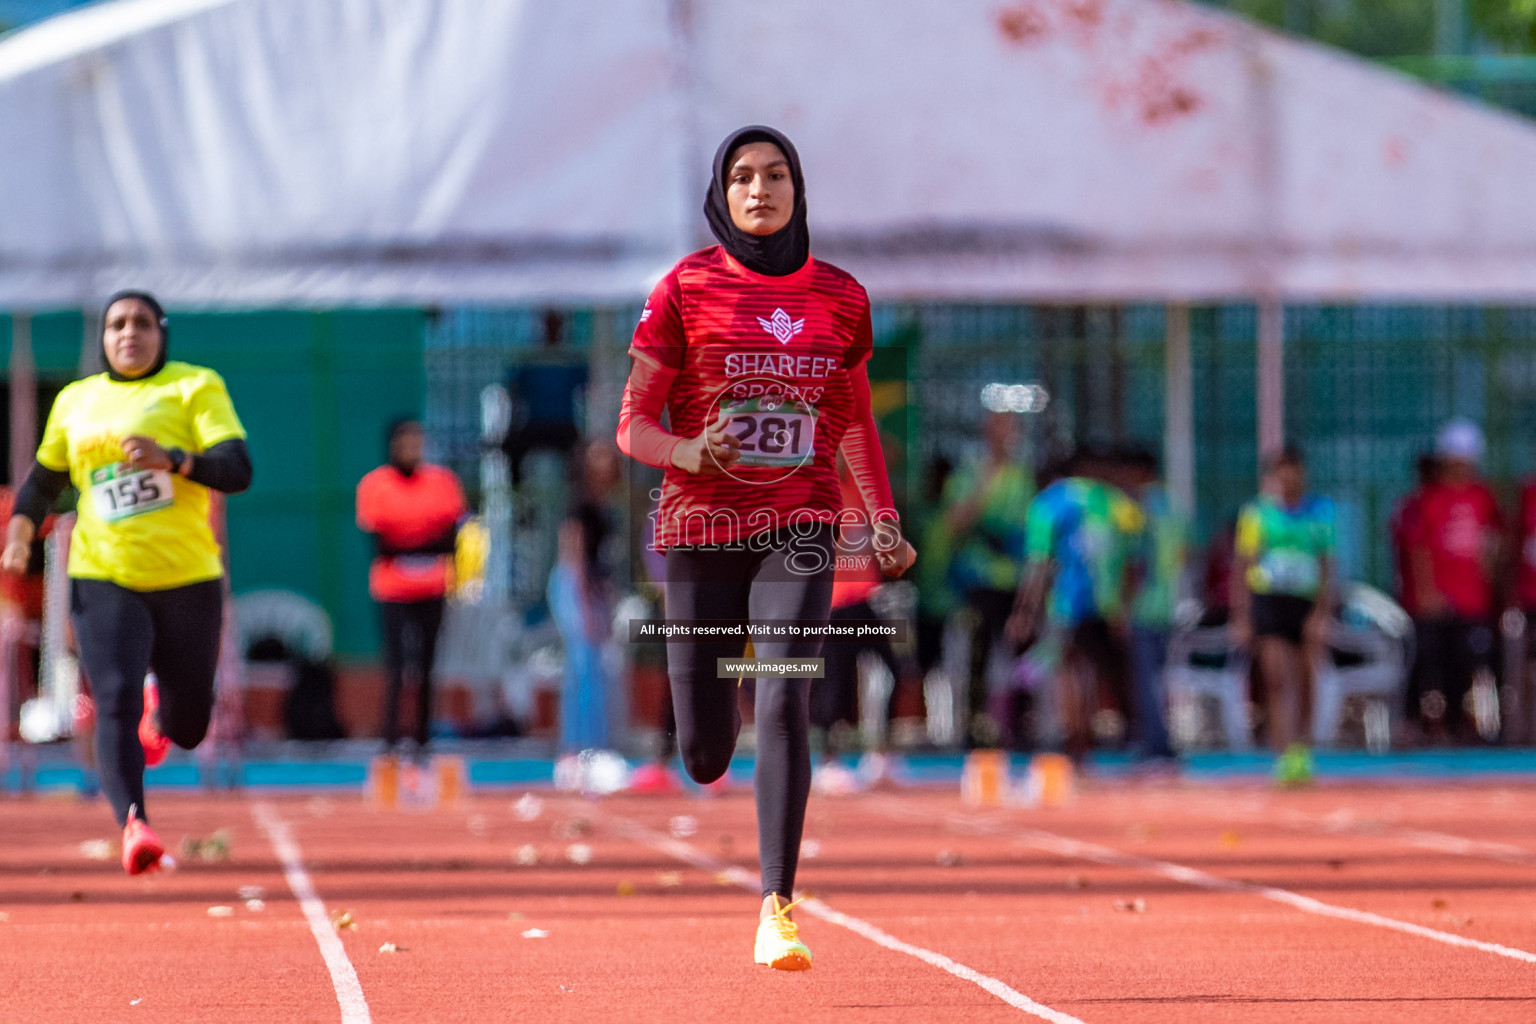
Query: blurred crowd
[1047, 598]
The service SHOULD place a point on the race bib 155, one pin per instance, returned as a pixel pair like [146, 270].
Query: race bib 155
[121, 492]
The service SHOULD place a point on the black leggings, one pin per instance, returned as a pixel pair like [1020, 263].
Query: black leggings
[410, 643]
[123, 634]
[790, 581]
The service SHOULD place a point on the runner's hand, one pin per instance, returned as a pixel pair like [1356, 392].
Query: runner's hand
[18, 546]
[144, 453]
[15, 558]
[710, 453]
[896, 558]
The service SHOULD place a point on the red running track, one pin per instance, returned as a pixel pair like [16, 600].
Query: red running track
[1166, 903]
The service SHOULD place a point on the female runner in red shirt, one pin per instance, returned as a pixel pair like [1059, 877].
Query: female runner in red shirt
[756, 350]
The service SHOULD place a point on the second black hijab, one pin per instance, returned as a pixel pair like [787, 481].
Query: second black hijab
[786, 250]
[165, 333]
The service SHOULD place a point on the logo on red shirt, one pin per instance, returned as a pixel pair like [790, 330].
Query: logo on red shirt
[781, 326]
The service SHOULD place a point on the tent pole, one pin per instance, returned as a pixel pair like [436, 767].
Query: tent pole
[23, 412]
[1271, 375]
[1179, 415]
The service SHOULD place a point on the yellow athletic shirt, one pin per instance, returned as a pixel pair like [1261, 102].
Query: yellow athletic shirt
[128, 531]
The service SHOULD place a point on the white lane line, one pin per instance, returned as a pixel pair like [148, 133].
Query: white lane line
[704, 862]
[1078, 850]
[1424, 839]
[1338, 823]
[349, 992]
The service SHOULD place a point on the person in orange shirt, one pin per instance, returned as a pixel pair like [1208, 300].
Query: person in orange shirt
[412, 510]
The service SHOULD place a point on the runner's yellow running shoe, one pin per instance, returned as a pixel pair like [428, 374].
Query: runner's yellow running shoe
[778, 941]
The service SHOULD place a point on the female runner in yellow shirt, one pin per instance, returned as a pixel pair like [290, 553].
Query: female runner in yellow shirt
[143, 443]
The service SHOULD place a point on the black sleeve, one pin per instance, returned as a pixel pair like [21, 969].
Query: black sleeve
[39, 491]
[225, 467]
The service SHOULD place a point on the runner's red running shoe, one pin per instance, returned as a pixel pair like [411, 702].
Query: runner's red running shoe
[141, 847]
[155, 745]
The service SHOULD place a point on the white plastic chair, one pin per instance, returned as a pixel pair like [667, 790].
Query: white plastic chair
[1376, 636]
[1377, 670]
[1204, 663]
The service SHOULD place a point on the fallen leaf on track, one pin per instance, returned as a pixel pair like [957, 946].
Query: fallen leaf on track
[1229, 840]
[221, 911]
[669, 879]
[626, 888]
[527, 807]
[1137, 906]
[390, 947]
[96, 849]
[1438, 903]
[342, 920]
[213, 849]
[573, 829]
[1076, 882]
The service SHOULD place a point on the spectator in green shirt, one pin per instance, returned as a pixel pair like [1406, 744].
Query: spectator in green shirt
[1083, 533]
[1280, 587]
[1159, 584]
[986, 506]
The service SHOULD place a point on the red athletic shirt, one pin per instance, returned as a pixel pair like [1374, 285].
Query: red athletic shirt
[1404, 528]
[786, 356]
[1525, 573]
[406, 512]
[856, 575]
[1457, 525]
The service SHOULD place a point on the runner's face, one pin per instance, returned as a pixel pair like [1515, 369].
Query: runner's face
[407, 447]
[1292, 481]
[758, 188]
[131, 337]
[1002, 433]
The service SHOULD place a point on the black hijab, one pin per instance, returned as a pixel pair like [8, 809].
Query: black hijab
[786, 250]
[165, 333]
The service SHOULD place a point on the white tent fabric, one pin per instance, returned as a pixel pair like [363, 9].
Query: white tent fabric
[291, 153]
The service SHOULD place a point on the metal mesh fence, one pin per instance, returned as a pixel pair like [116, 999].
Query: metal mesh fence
[1366, 388]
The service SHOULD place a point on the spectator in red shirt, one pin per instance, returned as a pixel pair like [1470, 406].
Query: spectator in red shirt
[1403, 529]
[1455, 550]
[412, 510]
[1522, 566]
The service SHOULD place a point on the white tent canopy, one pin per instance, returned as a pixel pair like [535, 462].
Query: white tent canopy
[287, 152]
